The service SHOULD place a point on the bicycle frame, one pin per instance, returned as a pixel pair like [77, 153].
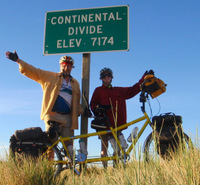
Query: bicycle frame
[112, 131]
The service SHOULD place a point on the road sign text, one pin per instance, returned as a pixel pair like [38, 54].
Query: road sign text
[86, 30]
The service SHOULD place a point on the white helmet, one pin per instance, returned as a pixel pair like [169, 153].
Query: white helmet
[67, 59]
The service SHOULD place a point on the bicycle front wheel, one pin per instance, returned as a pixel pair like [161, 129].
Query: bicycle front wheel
[150, 147]
[154, 149]
[54, 156]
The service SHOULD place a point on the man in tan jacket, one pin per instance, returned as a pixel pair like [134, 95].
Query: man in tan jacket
[61, 94]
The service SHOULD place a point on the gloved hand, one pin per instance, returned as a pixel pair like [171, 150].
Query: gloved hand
[87, 112]
[146, 73]
[142, 85]
[12, 56]
[149, 72]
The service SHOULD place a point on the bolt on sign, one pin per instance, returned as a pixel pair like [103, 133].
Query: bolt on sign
[87, 30]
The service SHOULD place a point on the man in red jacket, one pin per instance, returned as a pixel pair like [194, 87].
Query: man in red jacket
[116, 97]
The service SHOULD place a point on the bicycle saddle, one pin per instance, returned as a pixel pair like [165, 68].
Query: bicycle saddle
[53, 129]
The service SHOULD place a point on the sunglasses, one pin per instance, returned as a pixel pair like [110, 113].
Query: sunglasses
[107, 74]
[66, 63]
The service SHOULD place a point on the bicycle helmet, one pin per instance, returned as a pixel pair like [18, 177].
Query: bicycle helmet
[67, 59]
[107, 71]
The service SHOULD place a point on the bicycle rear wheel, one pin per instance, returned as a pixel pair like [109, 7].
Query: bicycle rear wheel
[55, 152]
[153, 149]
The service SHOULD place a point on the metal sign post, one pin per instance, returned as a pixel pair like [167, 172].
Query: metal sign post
[85, 90]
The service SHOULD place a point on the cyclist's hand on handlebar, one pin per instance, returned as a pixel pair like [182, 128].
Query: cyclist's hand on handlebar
[146, 73]
[151, 72]
[12, 56]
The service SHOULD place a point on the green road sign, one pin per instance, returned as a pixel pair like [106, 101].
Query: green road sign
[87, 30]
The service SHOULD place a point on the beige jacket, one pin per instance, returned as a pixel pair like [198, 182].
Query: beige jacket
[51, 83]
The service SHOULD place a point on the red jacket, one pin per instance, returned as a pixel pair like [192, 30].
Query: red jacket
[116, 97]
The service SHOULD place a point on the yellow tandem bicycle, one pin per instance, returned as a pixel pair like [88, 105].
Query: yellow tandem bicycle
[62, 160]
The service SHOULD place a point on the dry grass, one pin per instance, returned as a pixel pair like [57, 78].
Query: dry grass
[182, 169]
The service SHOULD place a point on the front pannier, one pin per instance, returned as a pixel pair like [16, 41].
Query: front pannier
[168, 129]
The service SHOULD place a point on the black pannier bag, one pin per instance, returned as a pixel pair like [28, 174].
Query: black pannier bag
[167, 126]
[28, 142]
[99, 123]
[28, 133]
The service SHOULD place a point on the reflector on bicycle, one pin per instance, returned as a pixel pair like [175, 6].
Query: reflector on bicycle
[153, 86]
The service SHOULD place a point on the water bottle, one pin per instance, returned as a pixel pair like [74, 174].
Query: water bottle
[114, 144]
[133, 134]
[83, 147]
[123, 141]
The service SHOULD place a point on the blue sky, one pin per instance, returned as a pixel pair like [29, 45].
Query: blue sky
[163, 36]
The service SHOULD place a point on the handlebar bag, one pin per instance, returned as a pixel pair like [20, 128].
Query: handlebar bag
[154, 86]
[99, 123]
[167, 126]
